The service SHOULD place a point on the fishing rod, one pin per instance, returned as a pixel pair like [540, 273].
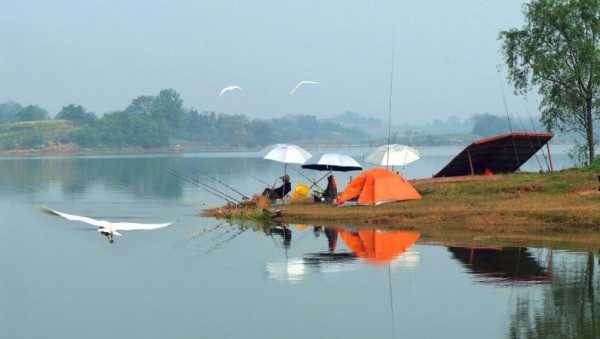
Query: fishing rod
[535, 129]
[531, 145]
[507, 115]
[389, 131]
[185, 179]
[215, 190]
[314, 183]
[205, 187]
[216, 180]
[262, 182]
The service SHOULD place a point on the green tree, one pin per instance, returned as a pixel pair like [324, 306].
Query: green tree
[556, 51]
[141, 105]
[8, 111]
[77, 114]
[31, 113]
[168, 106]
[487, 124]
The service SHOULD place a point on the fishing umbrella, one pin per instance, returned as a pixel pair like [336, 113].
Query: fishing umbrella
[331, 162]
[393, 155]
[286, 154]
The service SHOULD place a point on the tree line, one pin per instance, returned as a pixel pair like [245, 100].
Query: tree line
[160, 120]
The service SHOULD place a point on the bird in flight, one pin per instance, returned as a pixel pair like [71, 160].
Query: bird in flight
[107, 228]
[230, 88]
[302, 83]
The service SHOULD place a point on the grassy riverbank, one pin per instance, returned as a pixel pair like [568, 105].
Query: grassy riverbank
[559, 207]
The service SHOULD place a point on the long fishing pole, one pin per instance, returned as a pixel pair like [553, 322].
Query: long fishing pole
[531, 145]
[180, 177]
[262, 182]
[535, 129]
[205, 187]
[314, 183]
[216, 180]
[389, 134]
[215, 189]
[507, 115]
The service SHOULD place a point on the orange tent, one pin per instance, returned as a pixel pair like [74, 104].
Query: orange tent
[378, 246]
[377, 186]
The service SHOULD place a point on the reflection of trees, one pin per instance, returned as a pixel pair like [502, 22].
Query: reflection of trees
[140, 176]
[568, 305]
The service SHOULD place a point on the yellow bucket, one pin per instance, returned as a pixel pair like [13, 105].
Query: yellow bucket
[300, 192]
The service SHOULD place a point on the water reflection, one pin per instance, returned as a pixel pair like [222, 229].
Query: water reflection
[376, 247]
[567, 308]
[501, 265]
[138, 176]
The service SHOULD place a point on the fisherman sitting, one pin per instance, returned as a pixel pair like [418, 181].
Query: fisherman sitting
[279, 192]
[330, 194]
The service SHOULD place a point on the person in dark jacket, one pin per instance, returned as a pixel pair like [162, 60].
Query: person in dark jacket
[279, 192]
[330, 194]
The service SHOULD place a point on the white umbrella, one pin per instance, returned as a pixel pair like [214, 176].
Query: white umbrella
[393, 155]
[332, 162]
[286, 154]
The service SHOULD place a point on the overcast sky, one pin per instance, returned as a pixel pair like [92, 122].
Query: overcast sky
[101, 54]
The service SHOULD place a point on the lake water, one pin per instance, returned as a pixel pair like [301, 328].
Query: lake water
[202, 279]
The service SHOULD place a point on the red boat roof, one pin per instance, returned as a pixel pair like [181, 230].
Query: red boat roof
[502, 153]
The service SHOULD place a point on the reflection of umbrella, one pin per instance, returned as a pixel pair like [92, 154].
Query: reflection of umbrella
[378, 246]
[393, 155]
[286, 154]
[332, 162]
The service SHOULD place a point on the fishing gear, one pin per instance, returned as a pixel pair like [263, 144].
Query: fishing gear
[180, 177]
[216, 180]
[314, 183]
[262, 182]
[507, 115]
[212, 190]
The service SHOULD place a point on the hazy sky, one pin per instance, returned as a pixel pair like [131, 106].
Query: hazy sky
[101, 54]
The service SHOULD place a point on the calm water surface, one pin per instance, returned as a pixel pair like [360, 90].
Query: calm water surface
[202, 279]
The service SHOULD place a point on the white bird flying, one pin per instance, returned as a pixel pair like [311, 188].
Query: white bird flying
[302, 83]
[107, 228]
[230, 88]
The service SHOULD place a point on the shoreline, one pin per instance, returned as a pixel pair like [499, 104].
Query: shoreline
[560, 207]
[74, 150]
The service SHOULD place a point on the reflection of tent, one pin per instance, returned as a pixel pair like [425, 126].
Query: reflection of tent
[509, 264]
[378, 246]
[377, 186]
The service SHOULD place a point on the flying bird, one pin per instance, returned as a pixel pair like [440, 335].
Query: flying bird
[230, 88]
[302, 83]
[107, 228]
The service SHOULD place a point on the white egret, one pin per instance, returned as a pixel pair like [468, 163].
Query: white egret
[107, 228]
[302, 83]
[230, 88]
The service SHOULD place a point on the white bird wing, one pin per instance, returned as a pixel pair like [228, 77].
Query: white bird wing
[127, 226]
[229, 88]
[302, 83]
[72, 217]
[117, 226]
